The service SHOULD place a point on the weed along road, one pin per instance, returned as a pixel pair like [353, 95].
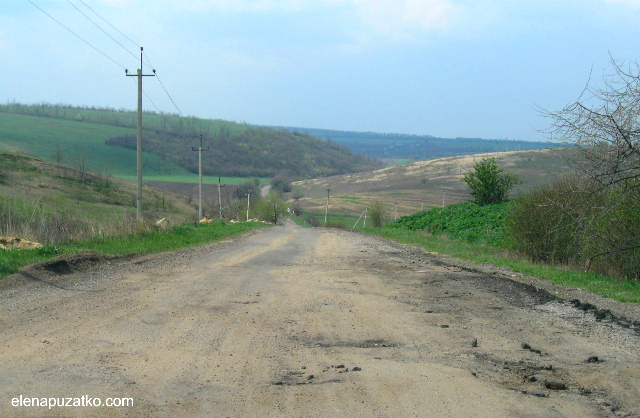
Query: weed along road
[308, 322]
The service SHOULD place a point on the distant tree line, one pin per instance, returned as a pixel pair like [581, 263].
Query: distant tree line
[236, 149]
[255, 152]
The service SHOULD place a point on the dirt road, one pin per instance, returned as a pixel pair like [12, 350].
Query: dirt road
[308, 322]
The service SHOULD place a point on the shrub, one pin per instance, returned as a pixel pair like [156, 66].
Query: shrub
[377, 213]
[466, 221]
[576, 222]
[281, 184]
[489, 183]
[548, 224]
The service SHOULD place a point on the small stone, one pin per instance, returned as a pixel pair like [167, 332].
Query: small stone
[356, 369]
[592, 359]
[444, 326]
[341, 366]
[525, 346]
[474, 342]
[555, 385]
[310, 377]
[304, 367]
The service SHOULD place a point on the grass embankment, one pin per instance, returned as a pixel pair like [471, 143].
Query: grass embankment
[334, 220]
[477, 233]
[194, 178]
[153, 241]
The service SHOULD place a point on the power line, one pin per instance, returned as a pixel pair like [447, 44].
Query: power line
[104, 31]
[147, 96]
[76, 35]
[163, 87]
[105, 21]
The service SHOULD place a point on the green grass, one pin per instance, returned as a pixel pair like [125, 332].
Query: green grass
[466, 221]
[624, 291]
[39, 136]
[178, 237]
[334, 220]
[193, 178]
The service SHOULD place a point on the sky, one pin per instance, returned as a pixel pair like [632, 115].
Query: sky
[447, 68]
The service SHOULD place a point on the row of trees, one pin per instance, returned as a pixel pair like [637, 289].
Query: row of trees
[253, 152]
[234, 202]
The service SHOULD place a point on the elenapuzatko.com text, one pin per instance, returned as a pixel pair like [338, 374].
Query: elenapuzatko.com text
[62, 402]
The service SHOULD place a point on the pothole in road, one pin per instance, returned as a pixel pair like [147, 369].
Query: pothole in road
[377, 343]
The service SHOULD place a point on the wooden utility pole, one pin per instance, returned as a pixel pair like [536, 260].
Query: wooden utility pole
[220, 197]
[248, 195]
[139, 145]
[364, 225]
[200, 149]
[326, 210]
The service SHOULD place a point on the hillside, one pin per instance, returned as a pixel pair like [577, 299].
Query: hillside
[105, 139]
[417, 147]
[48, 202]
[426, 183]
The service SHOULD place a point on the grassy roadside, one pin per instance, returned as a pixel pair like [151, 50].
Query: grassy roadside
[334, 220]
[623, 291]
[180, 236]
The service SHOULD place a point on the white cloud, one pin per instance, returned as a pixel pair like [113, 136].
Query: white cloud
[403, 16]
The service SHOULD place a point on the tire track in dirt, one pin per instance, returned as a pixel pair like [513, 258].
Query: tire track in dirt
[310, 322]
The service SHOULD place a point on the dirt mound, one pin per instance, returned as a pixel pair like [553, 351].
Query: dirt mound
[54, 272]
[69, 263]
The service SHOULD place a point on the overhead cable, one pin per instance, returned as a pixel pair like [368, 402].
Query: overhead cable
[76, 35]
[163, 87]
[99, 27]
[114, 28]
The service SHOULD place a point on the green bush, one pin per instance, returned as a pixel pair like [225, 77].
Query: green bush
[489, 183]
[466, 221]
[547, 224]
[576, 222]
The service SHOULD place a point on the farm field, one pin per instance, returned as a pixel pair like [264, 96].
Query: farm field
[426, 184]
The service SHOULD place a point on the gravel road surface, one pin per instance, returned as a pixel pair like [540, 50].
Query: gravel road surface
[290, 321]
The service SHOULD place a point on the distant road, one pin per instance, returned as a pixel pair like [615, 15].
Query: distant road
[308, 322]
[264, 192]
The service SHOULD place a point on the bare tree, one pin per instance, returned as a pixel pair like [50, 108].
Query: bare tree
[58, 153]
[602, 204]
[604, 126]
[80, 164]
[108, 174]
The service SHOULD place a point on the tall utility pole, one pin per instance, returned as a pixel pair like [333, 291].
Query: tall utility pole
[326, 210]
[200, 149]
[139, 145]
[219, 197]
[248, 195]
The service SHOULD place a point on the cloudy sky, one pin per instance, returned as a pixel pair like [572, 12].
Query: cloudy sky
[473, 68]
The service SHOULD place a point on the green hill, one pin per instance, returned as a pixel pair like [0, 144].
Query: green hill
[417, 147]
[104, 140]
